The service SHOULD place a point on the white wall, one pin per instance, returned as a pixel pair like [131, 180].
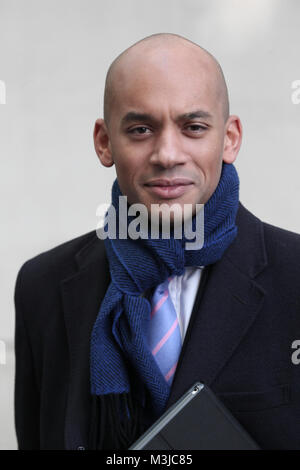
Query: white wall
[53, 58]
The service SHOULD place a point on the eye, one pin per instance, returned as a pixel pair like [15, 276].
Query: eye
[196, 128]
[140, 130]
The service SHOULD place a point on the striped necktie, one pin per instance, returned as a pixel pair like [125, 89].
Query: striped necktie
[164, 337]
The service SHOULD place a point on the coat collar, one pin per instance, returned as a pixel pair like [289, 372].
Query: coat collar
[231, 300]
[248, 252]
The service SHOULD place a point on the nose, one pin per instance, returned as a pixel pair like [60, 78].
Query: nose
[168, 150]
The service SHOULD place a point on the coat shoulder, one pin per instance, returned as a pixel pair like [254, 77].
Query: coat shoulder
[53, 264]
[282, 246]
[282, 243]
[273, 231]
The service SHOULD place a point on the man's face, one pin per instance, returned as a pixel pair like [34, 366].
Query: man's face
[167, 122]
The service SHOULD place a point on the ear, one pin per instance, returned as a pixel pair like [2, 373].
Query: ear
[233, 139]
[102, 143]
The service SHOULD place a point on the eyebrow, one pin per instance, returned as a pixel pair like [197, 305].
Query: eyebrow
[195, 114]
[133, 116]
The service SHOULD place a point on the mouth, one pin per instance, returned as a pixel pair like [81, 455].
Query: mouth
[169, 189]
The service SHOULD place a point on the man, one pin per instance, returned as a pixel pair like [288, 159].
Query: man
[89, 370]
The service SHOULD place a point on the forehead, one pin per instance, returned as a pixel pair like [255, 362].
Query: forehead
[162, 80]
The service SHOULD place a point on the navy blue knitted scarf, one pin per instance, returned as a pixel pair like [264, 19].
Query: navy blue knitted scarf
[122, 365]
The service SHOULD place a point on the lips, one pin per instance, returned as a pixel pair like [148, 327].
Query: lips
[169, 182]
[169, 189]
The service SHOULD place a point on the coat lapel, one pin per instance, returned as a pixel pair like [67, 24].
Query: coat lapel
[230, 303]
[82, 294]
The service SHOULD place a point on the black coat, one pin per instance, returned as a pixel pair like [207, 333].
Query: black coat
[238, 340]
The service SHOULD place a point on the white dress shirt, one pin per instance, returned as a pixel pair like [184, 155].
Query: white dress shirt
[183, 290]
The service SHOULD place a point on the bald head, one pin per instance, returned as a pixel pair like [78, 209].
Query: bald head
[142, 54]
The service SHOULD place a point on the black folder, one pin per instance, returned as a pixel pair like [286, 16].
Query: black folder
[197, 421]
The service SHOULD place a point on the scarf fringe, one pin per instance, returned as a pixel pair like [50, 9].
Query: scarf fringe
[117, 422]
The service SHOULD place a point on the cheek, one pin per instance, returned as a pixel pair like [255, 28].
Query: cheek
[213, 161]
[209, 162]
[214, 150]
[127, 170]
[208, 148]
[208, 159]
[130, 165]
